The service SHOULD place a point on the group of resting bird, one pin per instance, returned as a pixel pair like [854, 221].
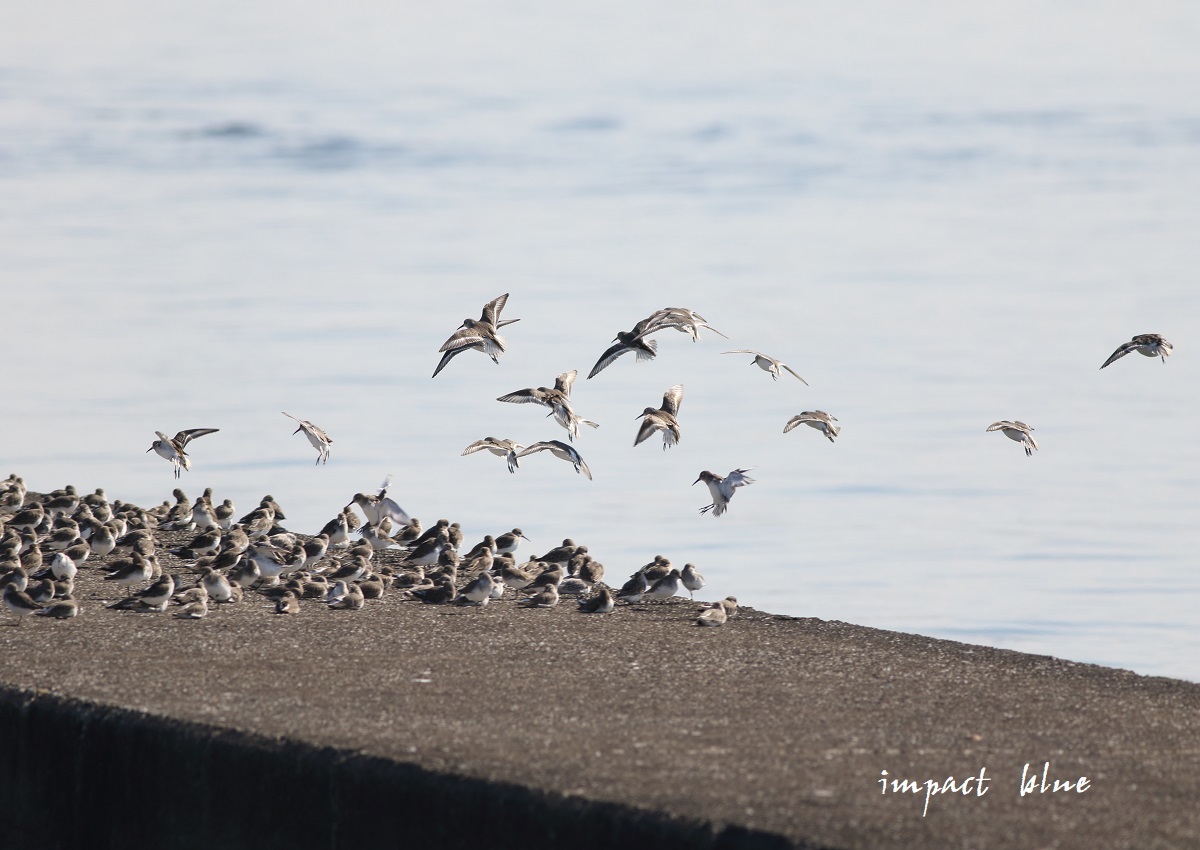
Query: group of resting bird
[47, 541]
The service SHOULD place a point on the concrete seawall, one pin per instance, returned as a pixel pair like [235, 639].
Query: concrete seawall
[81, 775]
[413, 725]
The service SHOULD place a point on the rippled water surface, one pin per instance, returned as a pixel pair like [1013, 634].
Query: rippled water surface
[939, 219]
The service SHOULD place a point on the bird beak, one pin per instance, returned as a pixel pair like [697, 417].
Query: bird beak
[697, 481]
[150, 449]
[297, 431]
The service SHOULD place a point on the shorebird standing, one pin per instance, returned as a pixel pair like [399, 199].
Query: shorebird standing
[721, 489]
[560, 450]
[557, 399]
[1016, 430]
[501, 448]
[1151, 345]
[319, 439]
[767, 363]
[818, 419]
[18, 602]
[479, 335]
[691, 579]
[662, 419]
[172, 448]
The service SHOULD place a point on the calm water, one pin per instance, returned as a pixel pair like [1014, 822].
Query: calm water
[213, 215]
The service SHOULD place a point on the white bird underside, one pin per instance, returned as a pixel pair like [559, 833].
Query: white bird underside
[560, 450]
[767, 363]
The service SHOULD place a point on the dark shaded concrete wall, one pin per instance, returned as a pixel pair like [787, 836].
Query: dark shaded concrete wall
[79, 775]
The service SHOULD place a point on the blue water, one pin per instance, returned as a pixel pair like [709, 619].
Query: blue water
[939, 219]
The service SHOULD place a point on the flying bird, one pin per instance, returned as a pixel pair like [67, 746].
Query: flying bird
[376, 508]
[501, 448]
[683, 320]
[560, 450]
[662, 419]
[721, 489]
[818, 419]
[480, 335]
[1151, 345]
[557, 399]
[767, 363]
[627, 341]
[1016, 430]
[172, 448]
[319, 439]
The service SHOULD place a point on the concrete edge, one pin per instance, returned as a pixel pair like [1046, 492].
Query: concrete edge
[76, 774]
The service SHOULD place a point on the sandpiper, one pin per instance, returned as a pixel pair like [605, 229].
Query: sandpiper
[19, 603]
[767, 363]
[134, 571]
[153, 599]
[1016, 430]
[721, 489]
[352, 600]
[634, 589]
[376, 507]
[626, 341]
[662, 419]
[287, 603]
[508, 542]
[197, 610]
[1151, 345]
[683, 320]
[818, 419]
[500, 447]
[319, 439]
[479, 335]
[691, 579]
[217, 585]
[601, 602]
[665, 587]
[714, 615]
[64, 609]
[172, 448]
[557, 399]
[478, 591]
[547, 597]
[560, 450]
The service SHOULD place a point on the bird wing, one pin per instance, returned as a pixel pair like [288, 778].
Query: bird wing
[564, 381]
[534, 448]
[464, 338]
[528, 395]
[446, 358]
[793, 371]
[387, 507]
[646, 431]
[606, 359]
[672, 399]
[491, 310]
[1122, 351]
[185, 437]
[738, 478]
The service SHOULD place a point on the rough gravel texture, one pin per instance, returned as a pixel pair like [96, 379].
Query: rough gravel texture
[774, 723]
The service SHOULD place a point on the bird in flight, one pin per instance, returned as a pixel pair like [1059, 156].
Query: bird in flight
[1151, 345]
[319, 439]
[480, 335]
[172, 448]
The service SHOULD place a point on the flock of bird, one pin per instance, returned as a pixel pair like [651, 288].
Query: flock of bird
[46, 540]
